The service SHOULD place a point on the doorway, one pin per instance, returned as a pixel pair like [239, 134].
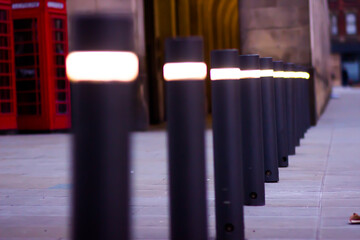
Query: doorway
[217, 21]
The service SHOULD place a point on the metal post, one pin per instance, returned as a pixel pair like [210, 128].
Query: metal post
[296, 105]
[290, 110]
[312, 97]
[103, 71]
[306, 99]
[228, 169]
[252, 130]
[269, 120]
[281, 116]
[301, 101]
[184, 73]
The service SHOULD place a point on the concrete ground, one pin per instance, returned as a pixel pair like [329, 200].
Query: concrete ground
[313, 200]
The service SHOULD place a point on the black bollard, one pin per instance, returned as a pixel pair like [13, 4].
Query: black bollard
[307, 97]
[252, 132]
[296, 110]
[304, 80]
[269, 120]
[290, 109]
[281, 116]
[294, 105]
[292, 81]
[184, 72]
[226, 114]
[102, 71]
[301, 101]
[298, 105]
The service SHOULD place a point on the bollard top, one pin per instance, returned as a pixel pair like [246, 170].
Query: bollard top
[291, 66]
[278, 66]
[266, 63]
[184, 49]
[226, 58]
[102, 32]
[249, 62]
[288, 66]
[304, 69]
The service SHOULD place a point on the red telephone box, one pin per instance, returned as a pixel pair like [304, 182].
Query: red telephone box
[7, 76]
[43, 91]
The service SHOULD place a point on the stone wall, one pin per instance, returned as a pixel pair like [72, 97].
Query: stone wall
[335, 69]
[276, 28]
[291, 30]
[320, 51]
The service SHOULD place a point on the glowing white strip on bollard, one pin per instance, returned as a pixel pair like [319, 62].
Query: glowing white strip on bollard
[244, 74]
[267, 73]
[305, 75]
[185, 71]
[224, 73]
[295, 74]
[279, 74]
[99, 66]
[290, 74]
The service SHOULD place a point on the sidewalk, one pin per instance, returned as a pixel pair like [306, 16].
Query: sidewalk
[313, 200]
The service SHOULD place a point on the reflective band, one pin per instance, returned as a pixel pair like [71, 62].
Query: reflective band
[185, 71]
[284, 74]
[267, 73]
[279, 74]
[296, 74]
[102, 66]
[224, 73]
[305, 75]
[289, 74]
[244, 74]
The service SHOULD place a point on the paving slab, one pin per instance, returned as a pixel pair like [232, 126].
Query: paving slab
[314, 198]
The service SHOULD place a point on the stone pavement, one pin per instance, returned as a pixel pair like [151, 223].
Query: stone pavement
[313, 200]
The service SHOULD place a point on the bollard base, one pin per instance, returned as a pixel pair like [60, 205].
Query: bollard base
[252, 199]
[284, 162]
[270, 177]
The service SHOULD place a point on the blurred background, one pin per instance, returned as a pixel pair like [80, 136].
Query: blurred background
[297, 31]
[317, 193]
[320, 34]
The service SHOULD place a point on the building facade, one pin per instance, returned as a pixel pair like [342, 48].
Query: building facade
[295, 31]
[285, 30]
[345, 40]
